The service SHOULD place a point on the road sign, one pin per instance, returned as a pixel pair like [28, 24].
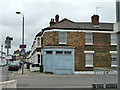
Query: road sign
[22, 51]
[22, 46]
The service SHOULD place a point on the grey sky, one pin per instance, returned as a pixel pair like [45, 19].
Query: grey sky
[39, 12]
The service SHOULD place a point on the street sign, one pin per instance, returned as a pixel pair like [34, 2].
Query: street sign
[22, 46]
[22, 51]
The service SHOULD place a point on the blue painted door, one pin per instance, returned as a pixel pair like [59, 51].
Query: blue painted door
[63, 64]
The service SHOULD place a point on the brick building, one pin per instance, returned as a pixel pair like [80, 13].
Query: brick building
[94, 46]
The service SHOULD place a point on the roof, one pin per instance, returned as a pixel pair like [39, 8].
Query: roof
[68, 24]
[39, 34]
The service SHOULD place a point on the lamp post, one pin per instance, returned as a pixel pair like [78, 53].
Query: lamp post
[117, 28]
[22, 39]
[22, 27]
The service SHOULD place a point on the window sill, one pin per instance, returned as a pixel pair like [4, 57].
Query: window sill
[113, 65]
[88, 43]
[113, 44]
[89, 66]
[62, 43]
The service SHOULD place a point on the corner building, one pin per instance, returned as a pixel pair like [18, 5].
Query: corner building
[93, 46]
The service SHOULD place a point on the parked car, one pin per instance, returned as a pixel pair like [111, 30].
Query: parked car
[14, 66]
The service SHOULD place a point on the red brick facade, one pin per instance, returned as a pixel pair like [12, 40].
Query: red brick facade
[101, 47]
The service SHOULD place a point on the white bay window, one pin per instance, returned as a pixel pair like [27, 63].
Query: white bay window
[113, 39]
[113, 58]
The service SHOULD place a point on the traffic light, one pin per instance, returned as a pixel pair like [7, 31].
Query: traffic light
[8, 42]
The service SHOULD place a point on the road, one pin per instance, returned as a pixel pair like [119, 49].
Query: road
[40, 80]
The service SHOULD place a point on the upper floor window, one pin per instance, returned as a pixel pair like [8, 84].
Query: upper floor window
[113, 39]
[88, 38]
[38, 42]
[62, 38]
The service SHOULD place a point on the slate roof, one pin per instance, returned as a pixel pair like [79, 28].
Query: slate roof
[68, 24]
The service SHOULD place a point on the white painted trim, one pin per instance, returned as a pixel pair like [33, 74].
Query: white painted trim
[89, 66]
[89, 51]
[84, 72]
[114, 44]
[113, 65]
[62, 43]
[88, 43]
[113, 51]
[61, 30]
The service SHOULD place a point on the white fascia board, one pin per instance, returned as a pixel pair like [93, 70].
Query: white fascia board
[38, 52]
[113, 51]
[78, 31]
[38, 37]
[89, 51]
[116, 27]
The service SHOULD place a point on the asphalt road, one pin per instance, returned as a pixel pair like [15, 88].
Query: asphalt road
[40, 80]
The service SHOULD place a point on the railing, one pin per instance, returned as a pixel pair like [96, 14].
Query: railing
[105, 77]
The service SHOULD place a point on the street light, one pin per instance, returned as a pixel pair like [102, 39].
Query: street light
[22, 27]
[22, 38]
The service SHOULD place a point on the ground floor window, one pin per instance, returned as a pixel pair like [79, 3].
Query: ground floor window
[38, 58]
[113, 58]
[89, 58]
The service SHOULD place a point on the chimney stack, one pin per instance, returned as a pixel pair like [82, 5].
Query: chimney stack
[52, 22]
[95, 20]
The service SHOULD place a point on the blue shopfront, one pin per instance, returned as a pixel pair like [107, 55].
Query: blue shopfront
[58, 59]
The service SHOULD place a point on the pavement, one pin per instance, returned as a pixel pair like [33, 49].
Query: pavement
[25, 71]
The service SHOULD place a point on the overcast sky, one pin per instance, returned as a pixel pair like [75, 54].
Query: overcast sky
[39, 12]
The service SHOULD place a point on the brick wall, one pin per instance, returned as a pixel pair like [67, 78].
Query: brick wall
[101, 47]
[50, 38]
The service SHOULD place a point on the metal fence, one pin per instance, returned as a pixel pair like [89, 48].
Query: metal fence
[105, 77]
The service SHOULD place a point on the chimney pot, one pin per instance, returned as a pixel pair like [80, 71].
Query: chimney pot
[52, 22]
[57, 18]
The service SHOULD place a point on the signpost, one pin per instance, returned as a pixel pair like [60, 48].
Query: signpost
[22, 46]
[22, 53]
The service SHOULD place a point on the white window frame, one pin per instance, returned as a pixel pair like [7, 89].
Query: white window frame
[88, 52]
[65, 42]
[113, 52]
[111, 38]
[87, 38]
[39, 41]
